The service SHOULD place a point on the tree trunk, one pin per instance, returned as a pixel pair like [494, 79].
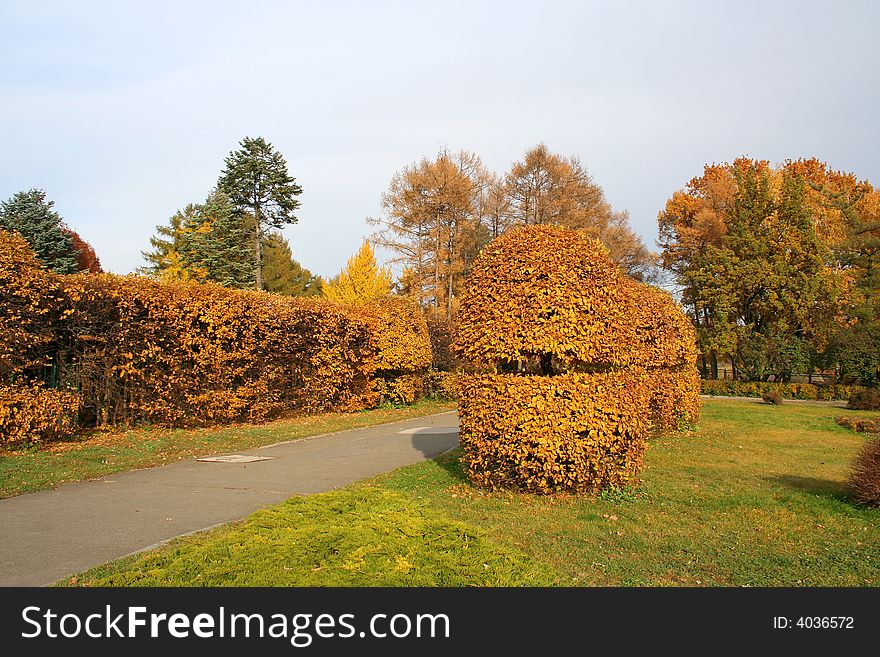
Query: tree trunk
[714, 359]
[258, 250]
[437, 264]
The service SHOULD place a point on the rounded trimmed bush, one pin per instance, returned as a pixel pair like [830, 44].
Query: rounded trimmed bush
[576, 362]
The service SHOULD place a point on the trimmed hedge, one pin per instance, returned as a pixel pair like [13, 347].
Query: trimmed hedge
[864, 478]
[34, 414]
[674, 398]
[137, 350]
[572, 433]
[785, 390]
[29, 306]
[580, 364]
[441, 332]
[859, 424]
[399, 334]
[547, 290]
[179, 354]
[442, 385]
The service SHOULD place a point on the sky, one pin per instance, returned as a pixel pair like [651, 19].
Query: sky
[123, 112]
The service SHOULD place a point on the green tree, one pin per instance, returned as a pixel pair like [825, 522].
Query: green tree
[360, 281]
[761, 287]
[32, 216]
[284, 275]
[257, 181]
[203, 242]
[214, 241]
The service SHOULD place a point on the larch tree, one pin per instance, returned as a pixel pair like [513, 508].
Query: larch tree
[164, 256]
[361, 280]
[33, 217]
[432, 224]
[257, 181]
[546, 188]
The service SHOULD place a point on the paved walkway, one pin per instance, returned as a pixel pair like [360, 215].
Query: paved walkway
[49, 535]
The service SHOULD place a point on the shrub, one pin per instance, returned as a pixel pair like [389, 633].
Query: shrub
[772, 397]
[865, 475]
[29, 307]
[674, 398]
[865, 400]
[580, 364]
[178, 354]
[34, 414]
[175, 354]
[399, 334]
[442, 385]
[572, 433]
[547, 291]
[862, 425]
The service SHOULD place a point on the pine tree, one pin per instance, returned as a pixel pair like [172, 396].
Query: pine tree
[284, 275]
[31, 215]
[362, 279]
[257, 181]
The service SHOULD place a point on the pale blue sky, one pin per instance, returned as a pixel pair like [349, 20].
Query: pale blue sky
[123, 112]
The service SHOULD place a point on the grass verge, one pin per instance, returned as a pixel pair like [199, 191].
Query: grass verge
[361, 535]
[102, 453]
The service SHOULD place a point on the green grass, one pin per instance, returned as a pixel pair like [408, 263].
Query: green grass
[755, 496]
[362, 535]
[102, 453]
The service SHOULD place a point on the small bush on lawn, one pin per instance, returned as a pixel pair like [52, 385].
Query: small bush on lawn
[772, 398]
[865, 476]
[865, 400]
[862, 425]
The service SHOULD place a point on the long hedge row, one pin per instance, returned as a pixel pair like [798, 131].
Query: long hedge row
[107, 349]
[785, 390]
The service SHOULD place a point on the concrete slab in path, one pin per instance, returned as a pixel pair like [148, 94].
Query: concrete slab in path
[49, 535]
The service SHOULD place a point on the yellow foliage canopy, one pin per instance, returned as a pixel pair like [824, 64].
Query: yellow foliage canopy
[361, 280]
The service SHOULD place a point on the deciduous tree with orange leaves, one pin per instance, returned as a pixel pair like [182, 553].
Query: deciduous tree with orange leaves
[776, 264]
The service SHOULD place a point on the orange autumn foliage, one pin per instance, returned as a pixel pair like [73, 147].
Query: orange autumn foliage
[138, 350]
[582, 363]
[399, 334]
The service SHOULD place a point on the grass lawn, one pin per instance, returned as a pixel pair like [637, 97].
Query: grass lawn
[101, 453]
[755, 496]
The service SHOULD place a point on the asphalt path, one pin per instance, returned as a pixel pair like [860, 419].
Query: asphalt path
[49, 535]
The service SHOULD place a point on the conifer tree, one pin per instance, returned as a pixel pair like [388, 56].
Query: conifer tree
[32, 216]
[362, 279]
[257, 181]
[203, 242]
[284, 275]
